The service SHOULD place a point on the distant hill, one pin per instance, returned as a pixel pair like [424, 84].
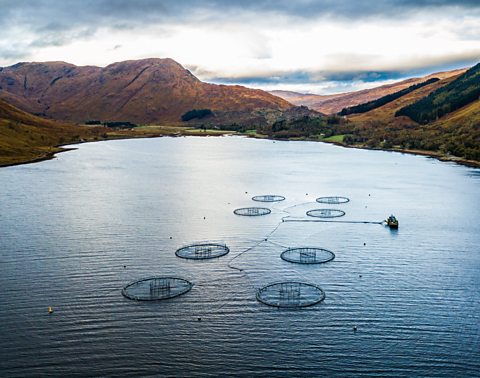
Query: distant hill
[148, 91]
[455, 136]
[332, 104]
[24, 137]
[456, 133]
[460, 92]
[370, 105]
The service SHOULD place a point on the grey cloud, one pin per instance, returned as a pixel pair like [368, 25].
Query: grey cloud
[53, 16]
[299, 77]
[16, 54]
[60, 15]
[403, 69]
[58, 22]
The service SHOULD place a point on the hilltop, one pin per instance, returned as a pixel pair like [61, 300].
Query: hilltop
[147, 91]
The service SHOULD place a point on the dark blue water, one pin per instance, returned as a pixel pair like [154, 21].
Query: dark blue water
[69, 226]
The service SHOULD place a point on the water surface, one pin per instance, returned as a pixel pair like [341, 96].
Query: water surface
[75, 230]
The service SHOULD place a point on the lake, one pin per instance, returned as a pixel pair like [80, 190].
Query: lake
[75, 230]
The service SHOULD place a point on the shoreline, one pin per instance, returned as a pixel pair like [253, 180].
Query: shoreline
[431, 154]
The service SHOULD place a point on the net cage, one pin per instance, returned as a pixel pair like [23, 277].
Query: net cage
[252, 211]
[156, 288]
[333, 200]
[268, 198]
[290, 294]
[307, 255]
[202, 251]
[326, 213]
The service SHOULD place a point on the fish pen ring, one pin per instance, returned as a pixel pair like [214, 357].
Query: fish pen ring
[326, 213]
[290, 294]
[202, 251]
[156, 288]
[333, 200]
[252, 211]
[307, 255]
[268, 198]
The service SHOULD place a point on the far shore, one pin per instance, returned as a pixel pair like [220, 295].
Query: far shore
[175, 131]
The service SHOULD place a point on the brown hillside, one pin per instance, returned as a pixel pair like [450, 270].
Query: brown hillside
[148, 91]
[24, 137]
[331, 104]
[386, 113]
[455, 136]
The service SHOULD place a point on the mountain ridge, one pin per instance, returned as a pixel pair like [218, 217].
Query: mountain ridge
[334, 103]
[146, 91]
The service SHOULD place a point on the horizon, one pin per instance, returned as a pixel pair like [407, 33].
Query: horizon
[312, 47]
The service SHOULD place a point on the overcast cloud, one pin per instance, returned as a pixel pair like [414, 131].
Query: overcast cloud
[320, 45]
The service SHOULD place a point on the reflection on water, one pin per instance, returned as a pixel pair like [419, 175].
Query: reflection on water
[75, 230]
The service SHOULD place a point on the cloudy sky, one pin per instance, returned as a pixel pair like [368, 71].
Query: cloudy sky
[317, 46]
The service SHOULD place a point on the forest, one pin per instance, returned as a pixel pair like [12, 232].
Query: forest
[363, 108]
[447, 99]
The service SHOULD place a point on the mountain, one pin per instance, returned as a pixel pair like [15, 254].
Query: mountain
[332, 104]
[305, 99]
[25, 137]
[148, 91]
[370, 105]
[455, 134]
[460, 92]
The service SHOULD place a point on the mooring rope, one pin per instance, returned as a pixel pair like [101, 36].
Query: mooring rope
[330, 221]
[266, 240]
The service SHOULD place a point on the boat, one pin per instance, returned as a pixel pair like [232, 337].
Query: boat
[392, 222]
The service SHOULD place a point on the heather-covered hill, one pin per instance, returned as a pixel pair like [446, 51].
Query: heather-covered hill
[148, 91]
[25, 137]
[332, 104]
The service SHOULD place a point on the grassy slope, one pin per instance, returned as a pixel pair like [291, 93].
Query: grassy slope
[331, 104]
[457, 133]
[26, 138]
[455, 95]
[386, 113]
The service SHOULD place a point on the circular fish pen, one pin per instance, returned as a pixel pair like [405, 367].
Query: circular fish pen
[290, 294]
[333, 200]
[268, 198]
[307, 255]
[156, 288]
[202, 251]
[252, 211]
[326, 213]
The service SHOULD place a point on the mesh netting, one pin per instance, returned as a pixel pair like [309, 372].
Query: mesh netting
[290, 294]
[202, 251]
[326, 213]
[307, 255]
[156, 288]
[268, 198]
[252, 211]
[333, 200]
